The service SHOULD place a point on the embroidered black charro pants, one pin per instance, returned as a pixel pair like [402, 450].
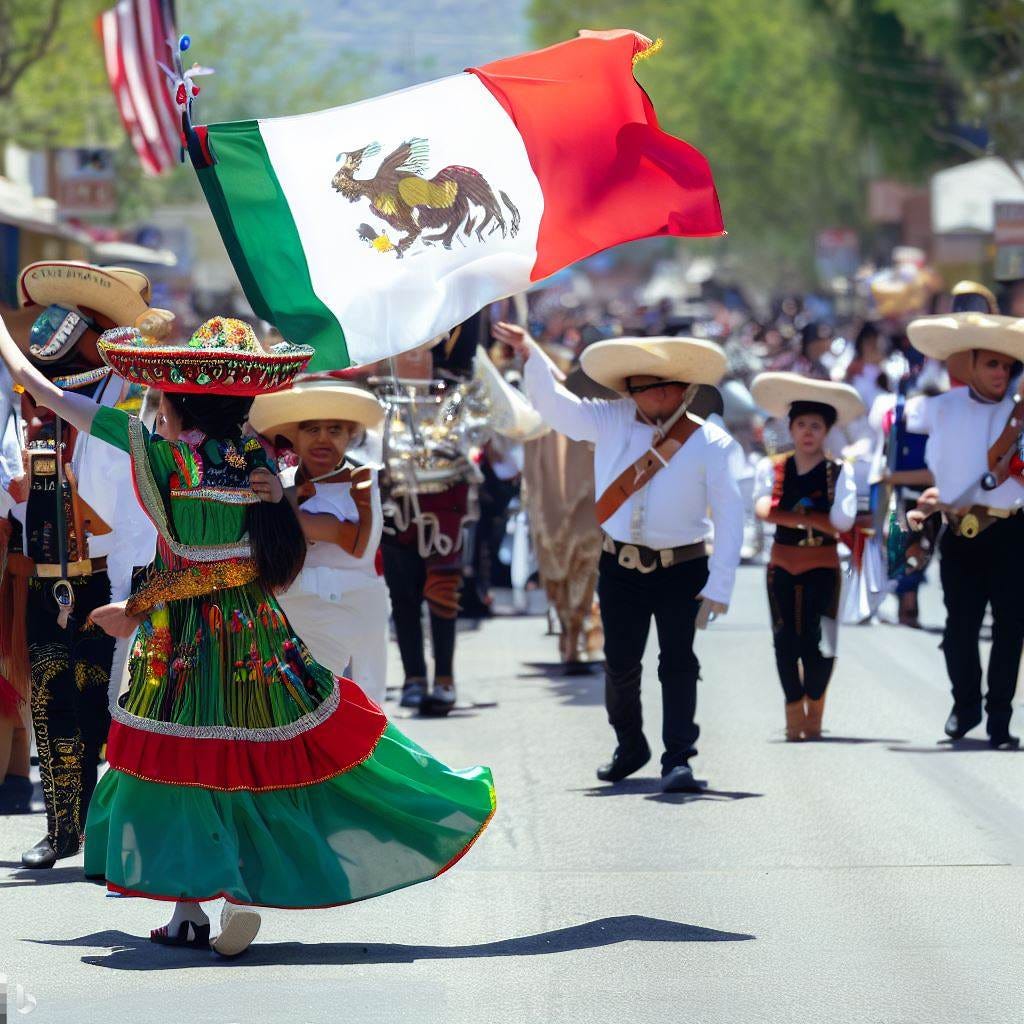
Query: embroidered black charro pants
[629, 600]
[70, 715]
[978, 573]
[798, 602]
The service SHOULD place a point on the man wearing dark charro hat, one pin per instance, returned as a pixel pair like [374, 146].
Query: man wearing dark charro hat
[657, 472]
[77, 518]
[973, 434]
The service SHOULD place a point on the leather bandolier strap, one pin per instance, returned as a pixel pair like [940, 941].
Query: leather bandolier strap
[635, 477]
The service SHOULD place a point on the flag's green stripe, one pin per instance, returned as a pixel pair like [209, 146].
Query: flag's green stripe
[255, 221]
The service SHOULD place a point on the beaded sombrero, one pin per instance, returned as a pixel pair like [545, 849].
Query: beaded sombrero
[223, 357]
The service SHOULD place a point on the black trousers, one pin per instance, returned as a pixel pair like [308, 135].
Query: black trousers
[798, 603]
[629, 600]
[410, 579]
[70, 716]
[978, 573]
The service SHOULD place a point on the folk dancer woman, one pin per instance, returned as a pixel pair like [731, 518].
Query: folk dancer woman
[239, 766]
[339, 603]
[811, 499]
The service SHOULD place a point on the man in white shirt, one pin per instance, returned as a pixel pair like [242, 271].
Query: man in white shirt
[657, 471]
[982, 552]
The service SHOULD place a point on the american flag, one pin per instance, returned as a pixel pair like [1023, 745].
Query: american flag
[137, 36]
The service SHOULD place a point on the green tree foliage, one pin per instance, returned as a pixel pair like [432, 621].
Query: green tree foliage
[748, 82]
[27, 31]
[917, 72]
[268, 62]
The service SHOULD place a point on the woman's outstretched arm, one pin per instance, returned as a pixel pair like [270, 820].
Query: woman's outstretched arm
[76, 409]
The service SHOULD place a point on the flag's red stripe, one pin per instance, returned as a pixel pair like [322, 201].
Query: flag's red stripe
[155, 49]
[113, 58]
[133, 58]
[609, 174]
[168, 36]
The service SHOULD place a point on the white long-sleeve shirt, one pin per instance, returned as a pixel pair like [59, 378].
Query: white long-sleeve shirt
[672, 510]
[960, 430]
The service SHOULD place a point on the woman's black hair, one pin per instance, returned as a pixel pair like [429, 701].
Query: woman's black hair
[809, 334]
[278, 544]
[822, 409]
[868, 332]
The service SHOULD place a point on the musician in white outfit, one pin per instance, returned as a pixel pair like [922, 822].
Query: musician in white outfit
[338, 604]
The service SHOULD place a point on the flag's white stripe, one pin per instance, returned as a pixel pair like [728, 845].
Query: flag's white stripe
[385, 304]
[137, 84]
[155, 48]
[110, 31]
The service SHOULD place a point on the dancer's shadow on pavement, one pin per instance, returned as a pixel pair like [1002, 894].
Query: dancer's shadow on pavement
[964, 746]
[650, 789]
[134, 953]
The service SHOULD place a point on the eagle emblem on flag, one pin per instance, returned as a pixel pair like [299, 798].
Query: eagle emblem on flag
[456, 199]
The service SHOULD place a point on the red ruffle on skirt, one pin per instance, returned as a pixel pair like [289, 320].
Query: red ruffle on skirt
[337, 744]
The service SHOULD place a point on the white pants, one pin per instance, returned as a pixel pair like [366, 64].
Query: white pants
[347, 632]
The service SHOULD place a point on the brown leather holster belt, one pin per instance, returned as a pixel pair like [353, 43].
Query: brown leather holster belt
[22, 565]
[644, 559]
[977, 519]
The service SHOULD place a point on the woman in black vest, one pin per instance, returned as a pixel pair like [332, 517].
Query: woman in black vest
[811, 499]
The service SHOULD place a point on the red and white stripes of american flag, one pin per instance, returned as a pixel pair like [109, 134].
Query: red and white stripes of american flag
[135, 37]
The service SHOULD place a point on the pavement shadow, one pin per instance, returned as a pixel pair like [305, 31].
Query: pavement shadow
[651, 790]
[965, 746]
[21, 877]
[134, 953]
[578, 686]
[852, 740]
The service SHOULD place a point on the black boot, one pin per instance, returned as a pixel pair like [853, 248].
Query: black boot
[959, 724]
[625, 761]
[60, 769]
[42, 855]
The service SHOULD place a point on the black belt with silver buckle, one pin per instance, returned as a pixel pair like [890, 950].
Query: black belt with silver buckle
[645, 559]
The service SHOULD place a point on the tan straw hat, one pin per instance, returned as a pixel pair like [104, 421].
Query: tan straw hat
[687, 360]
[776, 392]
[943, 336]
[118, 293]
[282, 412]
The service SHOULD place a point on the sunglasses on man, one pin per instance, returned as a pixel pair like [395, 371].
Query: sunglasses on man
[639, 389]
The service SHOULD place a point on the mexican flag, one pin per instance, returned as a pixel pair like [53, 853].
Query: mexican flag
[368, 229]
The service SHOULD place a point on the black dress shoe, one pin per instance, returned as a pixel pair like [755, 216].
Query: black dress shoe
[680, 780]
[1003, 741]
[624, 763]
[958, 726]
[42, 855]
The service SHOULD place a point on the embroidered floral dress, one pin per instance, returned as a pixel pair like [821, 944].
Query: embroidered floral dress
[239, 766]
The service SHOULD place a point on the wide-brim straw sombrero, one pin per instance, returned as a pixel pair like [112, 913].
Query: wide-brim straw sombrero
[118, 293]
[223, 357]
[687, 360]
[281, 413]
[943, 336]
[776, 392]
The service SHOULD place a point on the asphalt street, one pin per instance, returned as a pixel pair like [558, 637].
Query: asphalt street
[875, 876]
